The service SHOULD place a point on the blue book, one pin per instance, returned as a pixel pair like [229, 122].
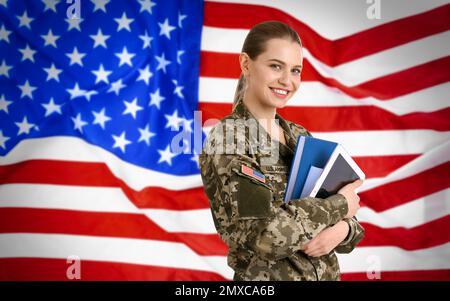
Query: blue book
[310, 152]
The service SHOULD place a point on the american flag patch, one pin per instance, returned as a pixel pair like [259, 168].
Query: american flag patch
[253, 173]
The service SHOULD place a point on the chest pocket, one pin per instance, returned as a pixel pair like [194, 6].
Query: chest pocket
[276, 176]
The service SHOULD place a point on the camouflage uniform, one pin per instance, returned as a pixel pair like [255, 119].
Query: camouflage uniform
[264, 234]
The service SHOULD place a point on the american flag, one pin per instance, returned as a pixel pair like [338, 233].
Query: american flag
[93, 96]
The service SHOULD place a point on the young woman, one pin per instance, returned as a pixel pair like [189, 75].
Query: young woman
[269, 239]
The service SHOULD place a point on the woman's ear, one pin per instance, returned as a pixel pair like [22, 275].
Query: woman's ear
[244, 61]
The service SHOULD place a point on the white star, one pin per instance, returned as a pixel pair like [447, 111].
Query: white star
[100, 5]
[99, 39]
[117, 86]
[145, 135]
[27, 53]
[101, 118]
[74, 23]
[120, 142]
[180, 19]
[24, 126]
[146, 5]
[177, 89]
[3, 139]
[162, 62]
[187, 125]
[145, 74]
[155, 99]
[75, 57]
[51, 107]
[50, 39]
[50, 4]
[166, 28]
[27, 90]
[131, 108]
[166, 155]
[25, 20]
[76, 92]
[4, 34]
[123, 22]
[173, 121]
[102, 75]
[53, 73]
[4, 3]
[4, 69]
[78, 123]
[88, 94]
[4, 104]
[146, 39]
[125, 57]
[179, 54]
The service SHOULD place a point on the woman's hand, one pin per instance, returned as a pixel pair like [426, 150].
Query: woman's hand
[352, 197]
[327, 240]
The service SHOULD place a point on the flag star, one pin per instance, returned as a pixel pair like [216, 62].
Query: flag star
[146, 5]
[162, 62]
[27, 90]
[101, 118]
[4, 34]
[145, 135]
[27, 53]
[120, 141]
[102, 75]
[53, 73]
[76, 92]
[4, 69]
[155, 99]
[88, 94]
[78, 123]
[50, 4]
[100, 5]
[178, 89]
[117, 86]
[187, 125]
[173, 121]
[50, 39]
[74, 23]
[179, 54]
[145, 74]
[125, 57]
[3, 139]
[99, 39]
[123, 22]
[4, 3]
[51, 107]
[166, 28]
[166, 155]
[76, 57]
[146, 39]
[131, 108]
[180, 19]
[4, 104]
[24, 126]
[25, 20]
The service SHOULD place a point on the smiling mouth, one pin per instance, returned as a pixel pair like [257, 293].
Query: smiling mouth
[280, 93]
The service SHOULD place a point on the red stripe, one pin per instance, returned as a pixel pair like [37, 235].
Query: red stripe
[383, 88]
[29, 269]
[420, 237]
[329, 119]
[332, 53]
[402, 191]
[137, 226]
[419, 275]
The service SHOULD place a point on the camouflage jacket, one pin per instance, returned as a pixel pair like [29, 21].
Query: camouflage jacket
[264, 234]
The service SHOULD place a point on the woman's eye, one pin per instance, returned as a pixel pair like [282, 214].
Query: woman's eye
[296, 71]
[275, 66]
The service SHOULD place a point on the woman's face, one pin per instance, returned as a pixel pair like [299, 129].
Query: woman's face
[274, 76]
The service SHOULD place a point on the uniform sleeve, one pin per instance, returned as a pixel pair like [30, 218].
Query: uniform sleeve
[247, 216]
[355, 235]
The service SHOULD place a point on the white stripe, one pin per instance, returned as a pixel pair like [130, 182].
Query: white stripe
[125, 250]
[366, 259]
[343, 18]
[75, 149]
[411, 214]
[316, 94]
[351, 73]
[195, 221]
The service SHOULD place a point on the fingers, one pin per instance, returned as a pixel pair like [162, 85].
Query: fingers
[357, 183]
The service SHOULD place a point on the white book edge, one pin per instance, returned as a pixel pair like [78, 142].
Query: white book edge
[293, 178]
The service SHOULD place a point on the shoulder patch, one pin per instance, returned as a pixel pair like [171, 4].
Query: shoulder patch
[253, 173]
